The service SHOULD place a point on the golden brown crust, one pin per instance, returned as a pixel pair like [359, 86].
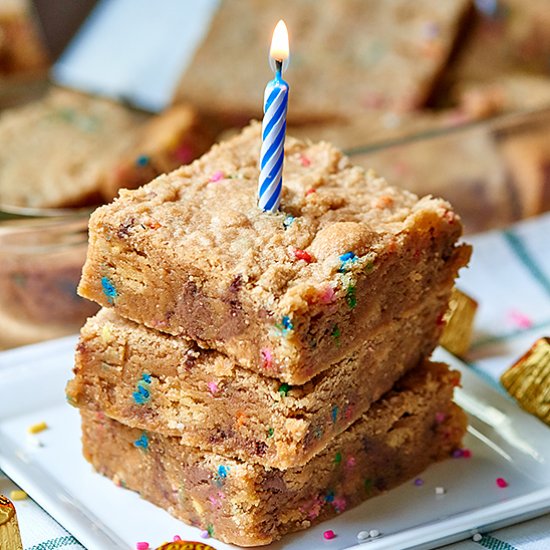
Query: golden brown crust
[412, 426]
[191, 254]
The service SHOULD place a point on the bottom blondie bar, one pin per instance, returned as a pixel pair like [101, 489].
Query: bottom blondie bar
[413, 425]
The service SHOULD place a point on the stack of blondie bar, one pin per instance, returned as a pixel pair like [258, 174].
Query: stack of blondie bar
[253, 373]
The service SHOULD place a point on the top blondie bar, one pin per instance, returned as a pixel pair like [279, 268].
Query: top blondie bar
[285, 294]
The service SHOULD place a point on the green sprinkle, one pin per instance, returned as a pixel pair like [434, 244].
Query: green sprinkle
[284, 389]
[210, 529]
[351, 298]
[336, 334]
[338, 458]
[270, 432]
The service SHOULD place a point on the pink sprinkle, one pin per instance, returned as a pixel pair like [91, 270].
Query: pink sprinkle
[184, 153]
[329, 535]
[267, 358]
[350, 462]
[439, 417]
[142, 546]
[348, 412]
[213, 387]
[327, 295]
[519, 319]
[339, 504]
[466, 453]
[205, 534]
[304, 161]
[217, 176]
[176, 538]
[501, 482]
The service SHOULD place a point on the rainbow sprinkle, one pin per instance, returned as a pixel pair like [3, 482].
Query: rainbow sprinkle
[338, 458]
[266, 357]
[213, 388]
[501, 482]
[223, 471]
[287, 222]
[329, 534]
[142, 160]
[108, 289]
[143, 394]
[142, 442]
[285, 326]
[37, 428]
[303, 255]
[142, 546]
[346, 261]
[217, 176]
[284, 388]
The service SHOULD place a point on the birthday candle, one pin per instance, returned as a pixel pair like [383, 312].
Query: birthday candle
[274, 125]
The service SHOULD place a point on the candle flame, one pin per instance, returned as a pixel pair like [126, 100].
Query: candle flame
[279, 43]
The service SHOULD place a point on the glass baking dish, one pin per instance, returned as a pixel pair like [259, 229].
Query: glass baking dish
[40, 264]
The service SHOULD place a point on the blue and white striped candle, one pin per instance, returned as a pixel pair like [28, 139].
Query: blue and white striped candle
[274, 126]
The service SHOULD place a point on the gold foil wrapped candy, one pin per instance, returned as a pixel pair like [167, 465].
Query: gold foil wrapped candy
[9, 529]
[459, 326]
[528, 380]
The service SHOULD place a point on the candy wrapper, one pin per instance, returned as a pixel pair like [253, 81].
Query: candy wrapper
[528, 380]
[10, 539]
[459, 326]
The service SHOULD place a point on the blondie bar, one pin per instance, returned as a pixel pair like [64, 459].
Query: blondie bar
[161, 383]
[346, 57]
[247, 504]
[69, 149]
[191, 254]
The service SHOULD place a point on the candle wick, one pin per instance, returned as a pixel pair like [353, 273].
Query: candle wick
[279, 68]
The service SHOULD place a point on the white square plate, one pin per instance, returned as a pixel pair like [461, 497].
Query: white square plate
[505, 442]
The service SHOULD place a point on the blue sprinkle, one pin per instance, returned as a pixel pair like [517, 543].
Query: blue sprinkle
[142, 395]
[334, 414]
[347, 256]
[346, 260]
[109, 289]
[142, 442]
[142, 160]
[329, 496]
[222, 471]
[285, 326]
[139, 398]
[287, 222]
